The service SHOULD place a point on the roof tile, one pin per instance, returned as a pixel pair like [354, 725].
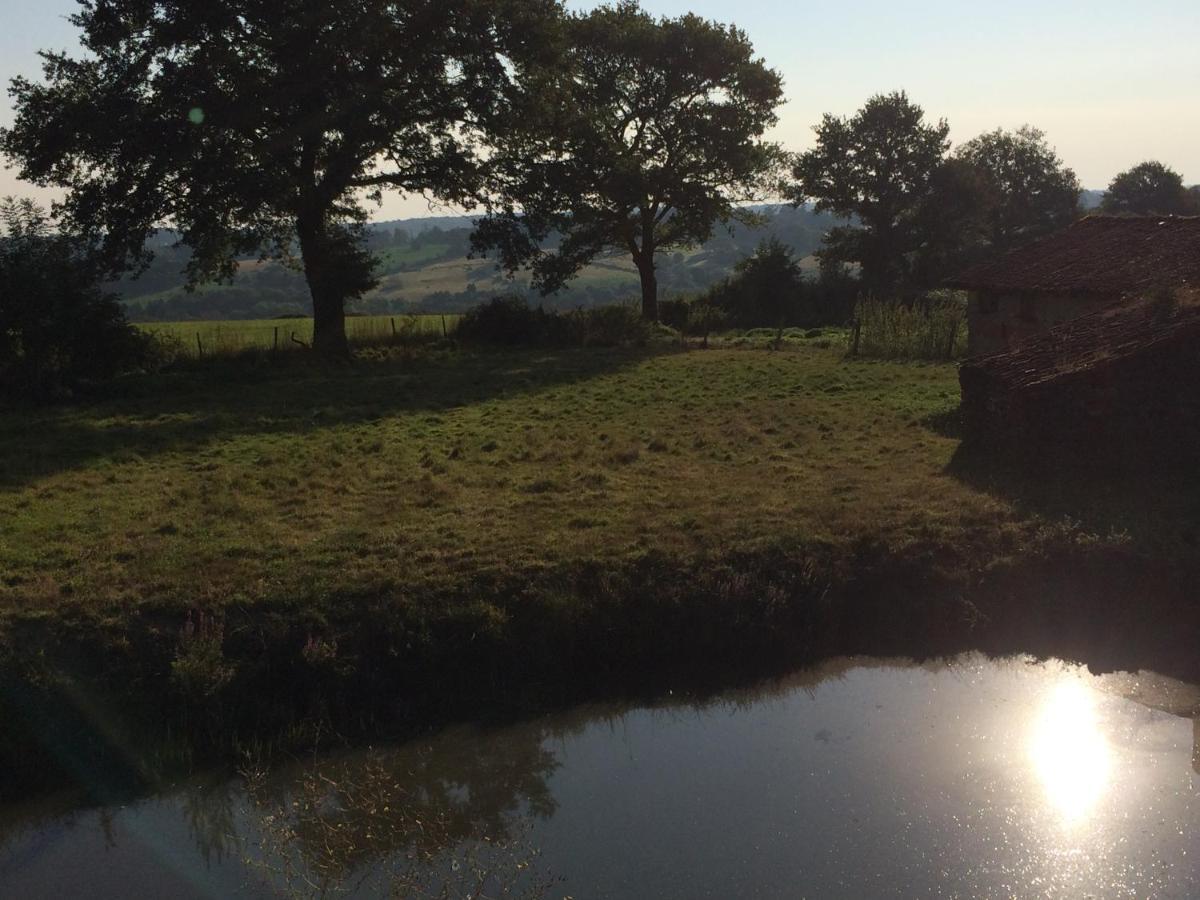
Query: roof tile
[1098, 254]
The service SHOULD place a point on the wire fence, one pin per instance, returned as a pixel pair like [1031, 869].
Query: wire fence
[233, 337]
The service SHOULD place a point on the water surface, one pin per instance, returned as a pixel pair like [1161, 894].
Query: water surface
[862, 778]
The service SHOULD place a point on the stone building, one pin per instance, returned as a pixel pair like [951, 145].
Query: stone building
[1121, 385]
[1094, 263]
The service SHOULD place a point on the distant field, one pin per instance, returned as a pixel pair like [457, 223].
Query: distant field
[228, 337]
[392, 259]
[399, 281]
[457, 275]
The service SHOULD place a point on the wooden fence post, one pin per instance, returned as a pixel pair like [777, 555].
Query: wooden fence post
[275, 345]
[199, 345]
[444, 333]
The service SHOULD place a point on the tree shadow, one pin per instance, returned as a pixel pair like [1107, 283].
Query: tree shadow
[205, 403]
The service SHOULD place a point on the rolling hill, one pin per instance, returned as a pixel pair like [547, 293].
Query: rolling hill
[424, 267]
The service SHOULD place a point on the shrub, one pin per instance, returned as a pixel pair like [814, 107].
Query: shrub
[162, 349]
[769, 290]
[705, 317]
[58, 329]
[674, 313]
[933, 326]
[511, 321]
[608, 326]
[200, 669]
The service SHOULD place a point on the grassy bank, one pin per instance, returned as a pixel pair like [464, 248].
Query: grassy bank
[231, 549]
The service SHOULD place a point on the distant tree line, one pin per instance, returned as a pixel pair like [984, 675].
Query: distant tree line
[1151, 188]
[917, 209]
[920, 210]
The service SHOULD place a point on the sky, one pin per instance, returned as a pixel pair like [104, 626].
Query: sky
[1111, 82]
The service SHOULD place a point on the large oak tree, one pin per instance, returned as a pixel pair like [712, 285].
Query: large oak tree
[1030, 191]
[649, 134]
[260, 127]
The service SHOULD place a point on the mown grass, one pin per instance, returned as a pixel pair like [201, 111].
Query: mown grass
[257, 483]
[233, 337]
[254, 482]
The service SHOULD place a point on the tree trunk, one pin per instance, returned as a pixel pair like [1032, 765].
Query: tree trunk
[329, 324]
[649, 277]
[328, 297]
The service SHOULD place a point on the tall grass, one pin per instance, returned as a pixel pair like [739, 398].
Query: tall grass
[232, 338]
[933, 326]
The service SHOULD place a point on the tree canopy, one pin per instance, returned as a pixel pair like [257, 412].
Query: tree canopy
[879, 168]
[1149, 188]
[647, 135]
[1030, 192]
[916, 214]
[254, 127]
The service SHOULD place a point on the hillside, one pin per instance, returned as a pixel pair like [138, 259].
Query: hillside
[424, 267]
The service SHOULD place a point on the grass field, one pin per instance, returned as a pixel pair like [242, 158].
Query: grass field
[393, 258]
[237, 336]
[456, 275]
[414, 286]
[309, 482]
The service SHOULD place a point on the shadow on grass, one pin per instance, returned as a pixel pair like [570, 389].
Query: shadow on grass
[947, 423]
[1157, 506]
[203, 403]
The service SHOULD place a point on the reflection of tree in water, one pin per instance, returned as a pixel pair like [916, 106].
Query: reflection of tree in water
[210, 812]
[449, 815]
[435, 818]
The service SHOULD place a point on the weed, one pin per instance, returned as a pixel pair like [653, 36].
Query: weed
[319, 652]
[199, 668]
[932, 327]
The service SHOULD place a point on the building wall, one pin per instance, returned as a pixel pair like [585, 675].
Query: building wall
[998, 321]
[1127, 410]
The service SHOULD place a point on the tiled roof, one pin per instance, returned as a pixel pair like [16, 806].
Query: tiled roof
[1093, 341]
[1098, 254]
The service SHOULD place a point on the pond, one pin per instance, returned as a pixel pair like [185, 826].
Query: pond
[974, 777]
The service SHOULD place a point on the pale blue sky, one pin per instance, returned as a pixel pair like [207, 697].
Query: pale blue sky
[1112, 82]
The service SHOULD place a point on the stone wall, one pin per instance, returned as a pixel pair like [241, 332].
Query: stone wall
[999, 321]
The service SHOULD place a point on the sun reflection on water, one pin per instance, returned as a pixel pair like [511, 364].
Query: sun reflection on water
[1071, 756]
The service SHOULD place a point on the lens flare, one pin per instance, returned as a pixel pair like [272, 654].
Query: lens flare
[1071, 756]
